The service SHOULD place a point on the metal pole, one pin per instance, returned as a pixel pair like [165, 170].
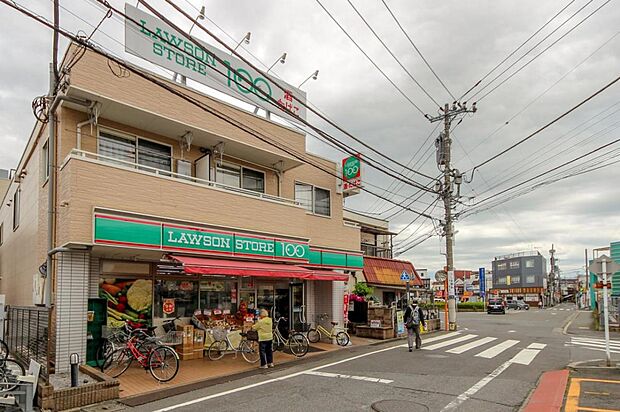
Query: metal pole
[447, 199]
[586, 300]
[606, 312]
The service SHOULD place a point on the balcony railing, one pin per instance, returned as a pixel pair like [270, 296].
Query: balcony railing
[136, 167]
[376, 251]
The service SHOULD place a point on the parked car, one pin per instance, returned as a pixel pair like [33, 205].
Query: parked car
[518, 305]
[496, 305]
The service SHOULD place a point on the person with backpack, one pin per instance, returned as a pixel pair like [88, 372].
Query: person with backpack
[414, 317]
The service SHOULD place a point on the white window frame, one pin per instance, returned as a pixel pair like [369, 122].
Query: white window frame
[530, 263]
[515, 279]
[241, 167]
[135, 138]
[502, 280]
[514, 264]
[502, 266]
[313, 211]
[533, 277]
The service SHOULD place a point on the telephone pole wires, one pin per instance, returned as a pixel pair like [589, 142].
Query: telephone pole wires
[451, 178]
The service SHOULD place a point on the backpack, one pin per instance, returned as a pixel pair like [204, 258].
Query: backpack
[414, 318]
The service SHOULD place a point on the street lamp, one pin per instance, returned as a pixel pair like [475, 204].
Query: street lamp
[281, 59]
[201, 16]
[313, 76]
[246, 40]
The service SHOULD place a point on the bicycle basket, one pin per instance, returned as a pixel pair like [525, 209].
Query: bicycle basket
[173, 337]
[109, 331]
[252, 335]
[219, 333]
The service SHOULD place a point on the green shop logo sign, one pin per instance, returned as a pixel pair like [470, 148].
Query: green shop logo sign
[351, 167]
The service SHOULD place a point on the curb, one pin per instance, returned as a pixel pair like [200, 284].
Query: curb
[549, 393]
[569, 321]
[581, 365]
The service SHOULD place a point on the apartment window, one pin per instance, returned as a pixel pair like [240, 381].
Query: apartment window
[16, 207]
[154, 155]
[313, 199]
[530, 279]
[237, 176]
[501, 266]
[46, 161]
[515, 279]
[514, 264]
[529, 263]
[135, 150]
[501, 280]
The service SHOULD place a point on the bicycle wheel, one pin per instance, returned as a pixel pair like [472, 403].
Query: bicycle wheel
[117, 362]
[217, 350]
[313, 335]
[298, 344]
[9, 371]
[4, 350]
[163, 363]
[105, 348]
[342, 338]
[249, 351]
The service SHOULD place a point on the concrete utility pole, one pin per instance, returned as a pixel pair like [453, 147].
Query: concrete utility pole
[446, 190]
[552, 276]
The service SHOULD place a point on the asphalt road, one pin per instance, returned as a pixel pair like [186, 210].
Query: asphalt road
[491, 364]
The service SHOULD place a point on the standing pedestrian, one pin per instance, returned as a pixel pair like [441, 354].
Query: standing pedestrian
[414, 317]
[264, 327]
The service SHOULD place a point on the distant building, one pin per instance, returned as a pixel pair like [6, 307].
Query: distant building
[520, 276]
[5, 181]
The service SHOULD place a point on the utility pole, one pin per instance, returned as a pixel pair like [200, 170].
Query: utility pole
[451, 177]
[552, 275]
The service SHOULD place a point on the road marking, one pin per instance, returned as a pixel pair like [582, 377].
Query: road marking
[596, 340]
[268, 381]
[596, 393]
[592, 348]
[595, 343]
[497, 349]
[358, 378]
[449, 342]
[479, 385]
[525, 357]
[434, 338]
[537, 346]
[574, 393]
[471, 345]
[511, 331]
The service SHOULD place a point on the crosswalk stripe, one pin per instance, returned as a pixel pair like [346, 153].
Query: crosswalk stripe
[449, 342]
[471, 345]
[597, 348]
[497, 349]
[537, 346]
[595, 340]
[596, 345]
[435, 338]
[525, 357]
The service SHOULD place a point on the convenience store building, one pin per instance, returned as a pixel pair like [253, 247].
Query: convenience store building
[171, 211]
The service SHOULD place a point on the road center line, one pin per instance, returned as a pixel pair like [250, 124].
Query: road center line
[268, 381]
[342, 376]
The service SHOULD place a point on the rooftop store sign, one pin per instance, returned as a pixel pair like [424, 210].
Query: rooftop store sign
[351, 175]
[141, 233]
[157, 42]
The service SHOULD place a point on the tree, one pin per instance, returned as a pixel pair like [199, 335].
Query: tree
[362, 289]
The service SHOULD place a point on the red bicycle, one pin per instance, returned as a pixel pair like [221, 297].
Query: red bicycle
[162, 361]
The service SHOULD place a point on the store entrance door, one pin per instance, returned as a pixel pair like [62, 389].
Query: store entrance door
[296, 294]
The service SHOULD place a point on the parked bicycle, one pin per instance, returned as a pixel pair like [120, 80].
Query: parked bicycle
[337, 333]
[223, 345]
[160, 360]
[4, 350]
[10, 369]
[297, 343]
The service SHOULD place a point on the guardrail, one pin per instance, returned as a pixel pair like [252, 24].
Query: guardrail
[123, 164]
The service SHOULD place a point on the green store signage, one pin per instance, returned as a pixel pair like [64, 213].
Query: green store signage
[125, 231]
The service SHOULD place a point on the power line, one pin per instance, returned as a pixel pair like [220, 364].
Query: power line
[391, 53]
[172, 90]
[371, 60]
[538, 55]
[516, 50]
[566, 113]
[418, 50]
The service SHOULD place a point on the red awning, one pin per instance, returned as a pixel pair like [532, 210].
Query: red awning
[206, 266]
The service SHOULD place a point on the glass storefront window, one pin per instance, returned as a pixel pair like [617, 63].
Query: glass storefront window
[218, 294]
[175, 298]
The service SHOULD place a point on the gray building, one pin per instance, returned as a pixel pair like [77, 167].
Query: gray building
[520, 276]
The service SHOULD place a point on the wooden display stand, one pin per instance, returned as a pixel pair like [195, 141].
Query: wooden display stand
[381, 324]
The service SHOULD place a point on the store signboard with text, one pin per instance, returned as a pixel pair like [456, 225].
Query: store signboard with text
[351, 175]
[124, 230]
[157, 42]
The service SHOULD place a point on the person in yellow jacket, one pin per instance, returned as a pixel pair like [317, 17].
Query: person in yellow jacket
[264, 326]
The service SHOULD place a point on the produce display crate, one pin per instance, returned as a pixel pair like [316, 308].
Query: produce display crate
[171, 338]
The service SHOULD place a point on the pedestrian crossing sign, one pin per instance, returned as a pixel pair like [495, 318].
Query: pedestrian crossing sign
[405, 276]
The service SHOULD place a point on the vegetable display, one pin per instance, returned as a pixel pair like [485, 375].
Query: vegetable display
[128, 301]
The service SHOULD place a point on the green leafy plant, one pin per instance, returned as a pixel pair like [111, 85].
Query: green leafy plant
[362, 289]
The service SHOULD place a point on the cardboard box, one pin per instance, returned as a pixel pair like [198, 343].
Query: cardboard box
[188, 334]
[199, 353]
[199, 338]
[187, 354]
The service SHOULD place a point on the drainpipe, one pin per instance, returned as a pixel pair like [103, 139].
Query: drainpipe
[51, 184]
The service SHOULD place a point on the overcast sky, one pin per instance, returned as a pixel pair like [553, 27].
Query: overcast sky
[462, 40]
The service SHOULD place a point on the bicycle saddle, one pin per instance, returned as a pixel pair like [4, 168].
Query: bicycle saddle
[334, 323]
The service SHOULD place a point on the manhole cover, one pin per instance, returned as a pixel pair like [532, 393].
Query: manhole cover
[398, 405]
[437, 356]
